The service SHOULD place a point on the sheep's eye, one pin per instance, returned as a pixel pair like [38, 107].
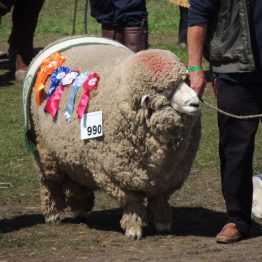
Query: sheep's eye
[167, 93]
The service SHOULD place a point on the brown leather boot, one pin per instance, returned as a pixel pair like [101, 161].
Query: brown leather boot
[136, 38]
[113, 32]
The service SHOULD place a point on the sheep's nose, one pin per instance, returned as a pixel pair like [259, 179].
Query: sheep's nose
[194, 105]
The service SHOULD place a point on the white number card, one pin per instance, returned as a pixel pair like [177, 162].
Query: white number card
[91, 125]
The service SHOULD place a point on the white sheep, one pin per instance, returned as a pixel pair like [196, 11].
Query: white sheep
[151, 133]
[257, 196]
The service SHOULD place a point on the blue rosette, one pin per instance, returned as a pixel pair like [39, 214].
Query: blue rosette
[76, 85]
[56, 76]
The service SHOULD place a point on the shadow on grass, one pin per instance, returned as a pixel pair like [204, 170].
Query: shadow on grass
[7, 79]
[20, 222]
[187, 221]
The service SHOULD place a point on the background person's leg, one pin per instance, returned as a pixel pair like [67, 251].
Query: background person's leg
[25, 17]
[5, 6]
[104, 12]
[123, 21]
[133, 16]
[182, 32]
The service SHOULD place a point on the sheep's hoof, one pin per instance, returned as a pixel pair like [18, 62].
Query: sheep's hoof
[134, 232]
[53, 220]
[163, 227]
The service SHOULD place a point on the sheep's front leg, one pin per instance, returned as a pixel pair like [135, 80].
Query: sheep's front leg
[52, 200]
[134, 219]
[159, 214]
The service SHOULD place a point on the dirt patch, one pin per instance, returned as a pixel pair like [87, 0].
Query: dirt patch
[197, 217]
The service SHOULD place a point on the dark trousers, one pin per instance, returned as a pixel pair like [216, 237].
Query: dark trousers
[182, 32]
[119, 13]
[24, 16]
[236, 147]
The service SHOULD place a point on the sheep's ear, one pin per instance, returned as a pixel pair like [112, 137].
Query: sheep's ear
[144, 100]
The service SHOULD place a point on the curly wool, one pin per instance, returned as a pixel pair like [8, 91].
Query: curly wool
[143, 153]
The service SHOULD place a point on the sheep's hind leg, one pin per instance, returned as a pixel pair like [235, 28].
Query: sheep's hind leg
[51, 189]
[134, 219]
[159, 214]
[52, 200]
[79, 198]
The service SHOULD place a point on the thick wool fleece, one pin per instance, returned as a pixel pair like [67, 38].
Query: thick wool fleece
[145, 151]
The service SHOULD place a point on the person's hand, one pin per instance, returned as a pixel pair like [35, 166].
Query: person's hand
[198, 82]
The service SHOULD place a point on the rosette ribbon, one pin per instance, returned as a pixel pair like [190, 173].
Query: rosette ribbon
[76, 85]
[59, 73]
[90, 84]
[48, 66]
[53, 103]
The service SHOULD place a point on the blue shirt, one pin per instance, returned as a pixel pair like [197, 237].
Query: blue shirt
[203, 10]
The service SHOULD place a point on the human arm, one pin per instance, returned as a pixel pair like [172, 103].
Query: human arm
[200, 13]
[195, 41]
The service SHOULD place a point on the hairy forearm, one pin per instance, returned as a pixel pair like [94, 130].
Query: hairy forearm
[196, 39]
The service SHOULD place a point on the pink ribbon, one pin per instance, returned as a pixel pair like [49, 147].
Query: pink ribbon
[53, 103]
[90, 84]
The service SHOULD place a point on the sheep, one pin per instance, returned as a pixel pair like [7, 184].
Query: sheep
[151, 133]
[257, 196]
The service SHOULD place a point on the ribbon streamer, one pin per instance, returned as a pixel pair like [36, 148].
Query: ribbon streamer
[59, 73]
[53, 103]
[48, 66]
[76, 85]
[89, 85]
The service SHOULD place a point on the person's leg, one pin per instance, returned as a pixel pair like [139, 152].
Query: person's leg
[5, 6]
[236, 149]
[182, 33]
[103, 12]
[133, 16]
[113, 32]
[25, 16]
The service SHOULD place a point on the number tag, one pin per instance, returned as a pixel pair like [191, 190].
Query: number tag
[91, 125]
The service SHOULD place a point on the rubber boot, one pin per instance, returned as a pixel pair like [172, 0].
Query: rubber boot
[113, 32]
[136, 38]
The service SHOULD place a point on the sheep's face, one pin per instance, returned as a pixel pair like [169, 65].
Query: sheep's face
[159, 72]
[159, 95]
[165, 114]
[257, 197]
[183, 99]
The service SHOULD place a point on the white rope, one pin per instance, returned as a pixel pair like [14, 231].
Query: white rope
[229, 114]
